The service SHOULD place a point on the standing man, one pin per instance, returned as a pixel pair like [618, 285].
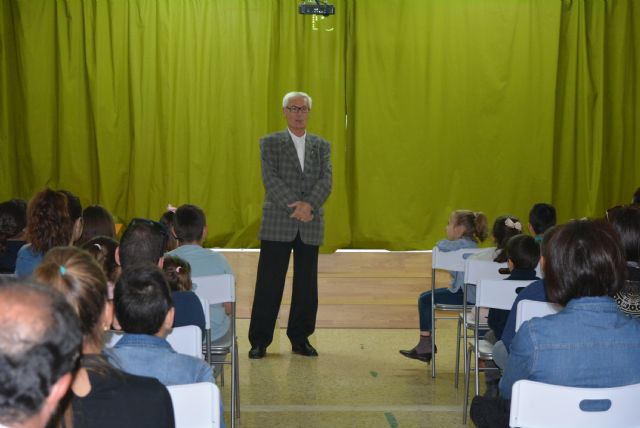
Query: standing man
[296, 172]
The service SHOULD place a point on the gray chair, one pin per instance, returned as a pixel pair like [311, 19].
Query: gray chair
[221, 289]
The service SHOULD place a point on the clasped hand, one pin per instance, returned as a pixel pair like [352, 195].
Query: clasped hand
[301, 211]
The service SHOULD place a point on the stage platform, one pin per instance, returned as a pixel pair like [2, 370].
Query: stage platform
[357, 288]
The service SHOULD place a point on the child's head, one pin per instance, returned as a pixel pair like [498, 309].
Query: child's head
[190, 224]
[467, 224]
[636, 197]
[541, 217]
[523, 252]
[13, 220]
[97, 221]
[103, 249]
[178, 273]
[504, 228]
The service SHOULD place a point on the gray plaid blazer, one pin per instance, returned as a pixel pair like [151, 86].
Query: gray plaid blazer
[285, 182]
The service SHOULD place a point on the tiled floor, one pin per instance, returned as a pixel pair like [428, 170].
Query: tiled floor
[359, 380]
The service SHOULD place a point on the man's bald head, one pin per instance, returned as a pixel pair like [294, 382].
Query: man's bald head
[40, 342]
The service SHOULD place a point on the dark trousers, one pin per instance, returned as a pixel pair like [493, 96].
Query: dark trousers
[272, 270]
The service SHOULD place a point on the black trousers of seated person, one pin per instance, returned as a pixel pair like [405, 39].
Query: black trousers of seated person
[272, 271]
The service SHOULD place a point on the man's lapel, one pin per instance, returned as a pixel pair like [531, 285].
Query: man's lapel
[310, 152]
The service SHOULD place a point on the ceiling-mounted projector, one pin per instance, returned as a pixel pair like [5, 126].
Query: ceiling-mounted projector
[319, 8]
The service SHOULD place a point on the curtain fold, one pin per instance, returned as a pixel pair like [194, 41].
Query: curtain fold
[430, 106]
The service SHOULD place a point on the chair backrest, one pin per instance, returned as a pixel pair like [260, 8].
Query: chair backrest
[196, 405]
[216, 288]
[476, 270]
[537, 405]
[528, 309]
[498, 293]
[111, 337]
[450, 260]
[186, 340]
[207, 314]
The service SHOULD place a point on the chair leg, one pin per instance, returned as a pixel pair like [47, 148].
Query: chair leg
[477, 373]
[467, 375]
[455, 379]
[236, 371]
[433, 323]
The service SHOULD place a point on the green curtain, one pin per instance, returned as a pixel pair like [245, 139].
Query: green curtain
[429, 105]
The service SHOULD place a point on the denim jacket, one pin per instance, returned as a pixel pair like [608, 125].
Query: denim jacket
[590, 343]
[446, 245]
[152, 356]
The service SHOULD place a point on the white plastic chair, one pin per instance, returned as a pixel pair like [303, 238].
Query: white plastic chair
[541, 405]
[207, 328]
[528, 309]
[451, 261]
[492, 294]
[196, 405]
[474, 271]
[186, 340]
[221, 289]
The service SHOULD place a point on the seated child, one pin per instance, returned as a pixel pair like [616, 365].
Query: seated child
[187, 305]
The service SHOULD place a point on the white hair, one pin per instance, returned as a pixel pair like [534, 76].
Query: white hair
[288, 96]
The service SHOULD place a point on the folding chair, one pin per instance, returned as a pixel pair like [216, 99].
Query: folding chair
[474, 271]
[196, 405]
[221, 289]
[492, 294]
[541, 405]
[528, 309]
[186, 340]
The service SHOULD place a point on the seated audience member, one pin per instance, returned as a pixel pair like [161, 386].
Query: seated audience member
[103, 249]
[541, 217]
[187, 305]
[626, 220]
[523, 255]
[504, 227]
[53, 220]
[534, 291]
[142, 242]
[465, 229]
[167, 221]
[590, 343]
[40, 342]
[145, 313]
[102, 396]
[96, 221]
[190, 229]
[13, 222]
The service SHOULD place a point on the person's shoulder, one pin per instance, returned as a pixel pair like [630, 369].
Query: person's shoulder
[317, 139]
[274, 137]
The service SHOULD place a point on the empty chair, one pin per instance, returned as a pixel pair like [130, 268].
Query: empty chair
[528, 309]
[186, 340]
[541, 405]
[221, 289]
[196, 405]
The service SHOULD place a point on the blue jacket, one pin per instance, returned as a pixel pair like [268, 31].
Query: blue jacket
[152, 356]
[590, 343]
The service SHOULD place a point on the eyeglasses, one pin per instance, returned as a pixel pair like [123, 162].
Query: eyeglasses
[296, 109]
[158, 227]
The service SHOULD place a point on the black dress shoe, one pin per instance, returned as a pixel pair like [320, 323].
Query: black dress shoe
[304, 349]
[257, 352]
[413, 354]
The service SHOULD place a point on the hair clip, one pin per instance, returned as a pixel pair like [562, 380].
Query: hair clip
[171, 208]
[513, 225]
[63, 270]
[98, 245]
[178, 269]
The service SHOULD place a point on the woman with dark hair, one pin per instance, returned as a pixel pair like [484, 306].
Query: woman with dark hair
[50, 223]
[13, 221]
[103, 249]
[626, 220]
[96, 221]
[101, 395]
[590, 343]
[167, 220]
